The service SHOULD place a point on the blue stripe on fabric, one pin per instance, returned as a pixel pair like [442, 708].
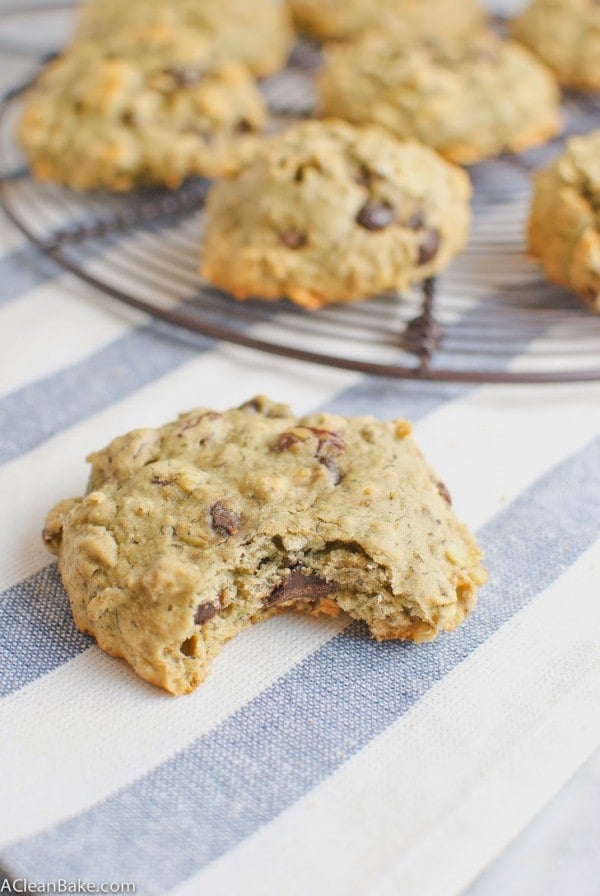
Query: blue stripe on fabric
[36, 630]
[39, 410]
[205, 800]
[389, 398]
[22, 270]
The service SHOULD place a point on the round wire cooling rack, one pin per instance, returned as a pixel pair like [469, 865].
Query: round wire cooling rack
[491, 317]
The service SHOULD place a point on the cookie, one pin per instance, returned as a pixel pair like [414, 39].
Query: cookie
[155, 108]
[564, 223]
[327, 212]
[256, 34]
[191, 532]
[343, 19]
[566, 35]
[470, 102]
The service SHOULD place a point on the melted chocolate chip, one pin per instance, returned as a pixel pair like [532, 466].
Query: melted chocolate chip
[429, 246]
[376, 215]
[204, 612]
[331, 464]
[329, 441]
[293, 239]
[224, 521]
[299, 587]
[286, 440]
[184, 75]
[328, 437]
[416, 220]
[441, 487]
[243, 126]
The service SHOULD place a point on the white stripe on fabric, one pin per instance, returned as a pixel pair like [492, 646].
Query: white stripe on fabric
[58, 469]
[49, 325]
[510, 441]
[484, 501]
[426, 804]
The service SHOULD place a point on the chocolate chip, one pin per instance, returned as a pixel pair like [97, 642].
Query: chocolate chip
[184, 75]
[429, 246]
[416, 220]
[364, 177]
[224, 521]
[243, 126]
[204, 612]
[331, 464]
[293, 239]
[286, 440]
[328, 437]
[299, 586]
[329, 442]
[127, 118]
[441, 487]
[376, 215]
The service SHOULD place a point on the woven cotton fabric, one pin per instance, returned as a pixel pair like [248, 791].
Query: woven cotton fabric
[313, 761]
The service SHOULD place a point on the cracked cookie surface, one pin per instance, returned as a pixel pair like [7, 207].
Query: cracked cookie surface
[257, 34]
[116, 117]
[191, 532]
[343, 19]
[469, 101]
[328, 212]
[564, 222]
[566, 35]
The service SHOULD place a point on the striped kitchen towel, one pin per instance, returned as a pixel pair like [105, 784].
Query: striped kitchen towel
[313, 761]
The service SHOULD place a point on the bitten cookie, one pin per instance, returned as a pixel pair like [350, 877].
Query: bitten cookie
[343, 19]
[191, 532]
[257, 34]
[327, 212]
[566, 35]
[564, 224]
[469, 101]
[155, 108]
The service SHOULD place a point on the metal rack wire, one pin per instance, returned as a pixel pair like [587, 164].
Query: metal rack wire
[490, 318]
